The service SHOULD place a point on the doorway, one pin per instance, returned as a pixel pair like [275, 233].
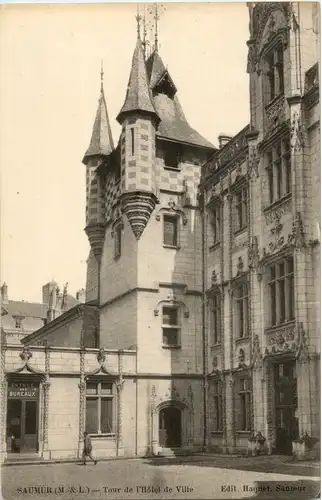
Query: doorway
[22, 418]
[170, 427]
[285, 406]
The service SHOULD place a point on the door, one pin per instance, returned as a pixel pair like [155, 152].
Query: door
[22, 422]
[170, 427]
[285, 406]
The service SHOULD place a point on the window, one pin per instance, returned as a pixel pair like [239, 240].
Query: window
[132, 141]
[243, 412]
[241, 307]
[117, 241]
[241, 209]
[18, 322]
[275, 73]
[170, 230]
[281, 291]
[217, 421]
[279, 175]
[215, 319]
[170, 326]
[99, 408]
[171, 157]
[215, 223]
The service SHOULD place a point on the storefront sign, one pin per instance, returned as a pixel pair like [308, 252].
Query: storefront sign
[23, 390]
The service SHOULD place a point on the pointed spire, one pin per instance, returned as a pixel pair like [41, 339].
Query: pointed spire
[102, 140]
[156, 19]
[138, 95]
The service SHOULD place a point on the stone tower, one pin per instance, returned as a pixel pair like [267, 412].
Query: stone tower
[144, 227]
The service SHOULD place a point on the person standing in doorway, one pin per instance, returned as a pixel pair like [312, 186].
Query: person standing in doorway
[87, 450]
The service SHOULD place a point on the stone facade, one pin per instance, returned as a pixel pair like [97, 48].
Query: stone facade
[265, 271]
[201, 327]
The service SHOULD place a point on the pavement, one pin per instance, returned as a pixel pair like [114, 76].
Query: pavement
[199, 477]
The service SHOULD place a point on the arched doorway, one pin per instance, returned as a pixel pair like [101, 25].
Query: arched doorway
[170, 427]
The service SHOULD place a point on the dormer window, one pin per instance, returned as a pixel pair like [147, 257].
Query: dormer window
[18, 323]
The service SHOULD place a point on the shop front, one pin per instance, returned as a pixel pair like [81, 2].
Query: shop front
[22, 416]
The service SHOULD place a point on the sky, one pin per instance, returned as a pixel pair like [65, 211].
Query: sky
[50, 60]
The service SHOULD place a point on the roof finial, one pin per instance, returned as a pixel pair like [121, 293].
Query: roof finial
[102, 74]
[138, 21]
[144, 34]
[156, 18]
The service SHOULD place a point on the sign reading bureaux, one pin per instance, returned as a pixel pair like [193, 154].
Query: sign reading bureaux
[23, 390]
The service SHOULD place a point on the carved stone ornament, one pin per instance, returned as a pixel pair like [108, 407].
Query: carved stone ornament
[241, 358]
[281, 341]
[275, 115]
[214, 277]
[253, 254]
[120, 383]
[257, 358]
[25, 355]
[276, 232]
[240, 265]
[153, 392]
[302, 353]
[297, 238]
[252, 57]
[172, 393]
[172, 208]
[101, 356]
[296, 133]
[138, 208]
[253, 162]
[214, 363]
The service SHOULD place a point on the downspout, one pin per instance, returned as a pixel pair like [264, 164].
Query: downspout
[204, 348]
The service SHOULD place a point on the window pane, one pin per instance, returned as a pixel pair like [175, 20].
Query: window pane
[273, 304]
[291, 298]
[281, 285]
[170, 230]
[106, 388]
[170, 336]
[243, 410]
[106, 415]
[272, 272]
[31, 417]
[270, 184]
[281, 269]
[91, 388]
[91, 415]
[290, 266]
[170, 316]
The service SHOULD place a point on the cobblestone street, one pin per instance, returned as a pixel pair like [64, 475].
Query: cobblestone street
[197, 478]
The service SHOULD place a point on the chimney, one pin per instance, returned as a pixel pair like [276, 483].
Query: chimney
[46, 291]
[4, 293]
[223, 140]
[80, 296]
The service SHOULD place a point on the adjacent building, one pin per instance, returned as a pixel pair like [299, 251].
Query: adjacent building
[200, 329]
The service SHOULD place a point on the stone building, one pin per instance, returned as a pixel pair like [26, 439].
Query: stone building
[200, 328]
[261, 195]
[20, 318]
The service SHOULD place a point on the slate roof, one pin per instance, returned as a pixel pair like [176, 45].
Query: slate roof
[102, 140]
[173, 125]
[138, 95]
[33, 309]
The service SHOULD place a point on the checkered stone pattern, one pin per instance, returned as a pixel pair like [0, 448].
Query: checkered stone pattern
[112, 193]
[187, 178]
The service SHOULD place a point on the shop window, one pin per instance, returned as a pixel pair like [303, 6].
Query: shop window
[281, 291]
[275, 73]
[243, 403]
[279, 174]
[215, 319]
[99, 408]
[170, 326]
[241, 203]
[170, 230]
[241, 310]
[218, 410]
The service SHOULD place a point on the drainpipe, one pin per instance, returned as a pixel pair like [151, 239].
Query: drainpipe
[204, 349]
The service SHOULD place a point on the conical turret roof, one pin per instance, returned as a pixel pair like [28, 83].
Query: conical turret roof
[102, 140]
[138, 95]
